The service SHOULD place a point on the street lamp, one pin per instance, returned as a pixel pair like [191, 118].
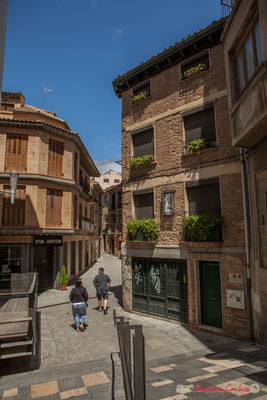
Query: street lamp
[14, 177]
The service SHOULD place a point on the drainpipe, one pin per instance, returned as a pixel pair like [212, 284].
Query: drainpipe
[246, 222]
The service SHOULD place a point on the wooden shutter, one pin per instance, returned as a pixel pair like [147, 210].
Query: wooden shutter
[53, 207]
[55, 158]
[75, 210]
[143, 143]
[75, 167]
[204, 199]
[14, 214]
[144, 205]
[16, 153]
[200, 124]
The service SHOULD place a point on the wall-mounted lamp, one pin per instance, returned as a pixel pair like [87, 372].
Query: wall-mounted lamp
[14, 177]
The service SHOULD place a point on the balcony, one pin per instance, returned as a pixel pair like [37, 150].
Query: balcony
[143, 230]
[226, 7]
[86, 224]
[203, 228]
[85, 185]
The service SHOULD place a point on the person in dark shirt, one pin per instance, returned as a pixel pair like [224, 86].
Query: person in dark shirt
[79, 298]
[102, 284]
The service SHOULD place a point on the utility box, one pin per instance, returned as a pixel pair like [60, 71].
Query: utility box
[235, 299]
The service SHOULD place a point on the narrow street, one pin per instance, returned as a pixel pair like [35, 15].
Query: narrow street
[180, 361]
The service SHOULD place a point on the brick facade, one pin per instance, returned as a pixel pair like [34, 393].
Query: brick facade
[40, 127]
[172, 170]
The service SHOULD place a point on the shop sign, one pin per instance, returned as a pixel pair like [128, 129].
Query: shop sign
[48, 240]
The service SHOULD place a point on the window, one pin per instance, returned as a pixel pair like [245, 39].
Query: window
[75, 171]
[140, 92]
[113, 197]
[144, 205]
[247, 56]
[16, 153]
[85, 211]
[75, 210]
[195, 64]
[105, 200]
[116, 181]
[204, 197]
[200, 124]
[143, 142]
[14, 214]
[55, 158]
[53, 207]
[119, 200]
[106, 180]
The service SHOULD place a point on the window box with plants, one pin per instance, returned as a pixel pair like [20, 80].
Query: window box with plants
[195, 146]
[142, 229]
[194, 70]
[140, 96]
[141, 161]
[203, 228]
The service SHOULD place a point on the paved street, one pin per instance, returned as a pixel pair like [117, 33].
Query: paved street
[180, 361]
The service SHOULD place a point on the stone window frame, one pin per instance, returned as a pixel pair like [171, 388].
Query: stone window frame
[248, 32]
[138, 193]
[140, 131]
[198, 183]
[190, 60]
[194, 110]
[139, 88]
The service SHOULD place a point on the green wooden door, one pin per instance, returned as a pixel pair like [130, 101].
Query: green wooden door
[210, 289]
[160, 288]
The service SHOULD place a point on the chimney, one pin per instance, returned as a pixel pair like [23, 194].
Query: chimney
[13, 98]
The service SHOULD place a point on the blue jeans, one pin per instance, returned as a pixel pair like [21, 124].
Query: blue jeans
[79, 313]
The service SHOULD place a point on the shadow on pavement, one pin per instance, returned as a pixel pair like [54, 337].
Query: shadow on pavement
[117, 291]
[223, 347]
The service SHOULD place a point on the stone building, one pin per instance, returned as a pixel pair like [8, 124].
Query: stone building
[245, 47]
[112, 220]
[108, 179]
[175, 123]
[51, 222]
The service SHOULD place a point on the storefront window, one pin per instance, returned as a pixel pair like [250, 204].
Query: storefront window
[15, 257]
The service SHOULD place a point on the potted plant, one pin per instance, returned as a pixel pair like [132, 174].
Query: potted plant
[141, 161]
[140, 96]
[142, 229]
[202, 228]
[196, 145]
[194, 70]
[63, 278]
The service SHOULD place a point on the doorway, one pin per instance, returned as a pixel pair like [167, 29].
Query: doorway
[160, 288]
[210, 293]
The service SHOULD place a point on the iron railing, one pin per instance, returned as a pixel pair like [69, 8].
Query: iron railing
[226, 7]
[132, 355]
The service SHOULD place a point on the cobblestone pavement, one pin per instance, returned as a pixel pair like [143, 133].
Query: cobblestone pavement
[181, 362]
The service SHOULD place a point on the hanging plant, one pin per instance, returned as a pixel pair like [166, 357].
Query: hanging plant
[199, 228]
[143, 229]
[138, 161]
[196, 145]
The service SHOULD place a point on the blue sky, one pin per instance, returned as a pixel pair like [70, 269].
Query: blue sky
[78, 47]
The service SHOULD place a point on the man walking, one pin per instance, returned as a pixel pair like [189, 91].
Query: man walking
[102, 284]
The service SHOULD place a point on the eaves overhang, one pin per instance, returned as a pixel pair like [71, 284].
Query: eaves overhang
[85, 158]
[193, 44]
